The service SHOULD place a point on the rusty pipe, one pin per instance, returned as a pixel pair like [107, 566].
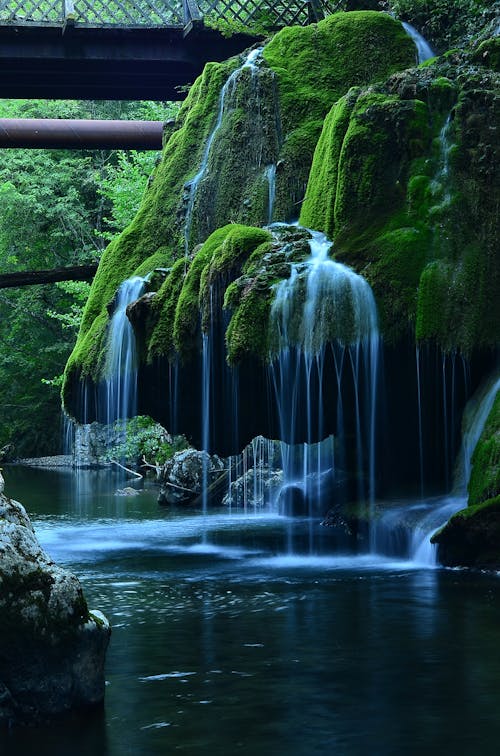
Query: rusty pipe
[79, 134]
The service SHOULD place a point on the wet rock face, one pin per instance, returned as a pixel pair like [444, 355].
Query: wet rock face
[182, 476]
[471, 538]
[52, 648]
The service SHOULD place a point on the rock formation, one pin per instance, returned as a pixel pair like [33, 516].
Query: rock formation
[52, 647]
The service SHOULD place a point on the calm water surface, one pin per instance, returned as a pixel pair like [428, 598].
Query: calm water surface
[224, 643]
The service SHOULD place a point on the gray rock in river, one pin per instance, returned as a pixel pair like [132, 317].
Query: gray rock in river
[182, 476]
[52, 648]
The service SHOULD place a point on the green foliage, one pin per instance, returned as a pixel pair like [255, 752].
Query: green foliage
[141, 437]
[52, 214]
[78, 291]
[123, 187]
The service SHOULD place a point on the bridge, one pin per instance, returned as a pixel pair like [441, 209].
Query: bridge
[129, 49]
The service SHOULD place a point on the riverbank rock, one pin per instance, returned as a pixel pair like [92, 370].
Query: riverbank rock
[52, 647]
[182, 476]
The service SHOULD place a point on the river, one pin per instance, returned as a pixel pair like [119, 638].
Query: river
[225, 643]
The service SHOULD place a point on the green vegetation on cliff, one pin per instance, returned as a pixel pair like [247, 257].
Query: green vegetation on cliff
[218, 262]
[402, 179]
[314, 67]
[273, 114]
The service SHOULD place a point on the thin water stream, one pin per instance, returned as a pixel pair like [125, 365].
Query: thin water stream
[236, 646]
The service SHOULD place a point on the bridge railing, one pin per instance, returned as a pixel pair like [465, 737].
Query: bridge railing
[161, 13]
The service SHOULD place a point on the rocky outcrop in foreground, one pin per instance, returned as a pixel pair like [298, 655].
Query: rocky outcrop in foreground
[52, 648]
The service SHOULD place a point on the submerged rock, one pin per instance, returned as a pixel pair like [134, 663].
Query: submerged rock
[52, 647]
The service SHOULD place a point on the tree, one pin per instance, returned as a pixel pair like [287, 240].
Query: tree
[54, 211]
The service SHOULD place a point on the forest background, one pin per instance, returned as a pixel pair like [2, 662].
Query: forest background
[57, 208]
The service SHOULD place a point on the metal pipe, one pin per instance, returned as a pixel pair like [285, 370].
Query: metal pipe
[78, 134]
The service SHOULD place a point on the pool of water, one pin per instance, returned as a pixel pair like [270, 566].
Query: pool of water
[226, 642]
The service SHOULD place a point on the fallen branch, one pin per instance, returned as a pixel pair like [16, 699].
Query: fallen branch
[156, 467]
[179, 488]
[127, 469]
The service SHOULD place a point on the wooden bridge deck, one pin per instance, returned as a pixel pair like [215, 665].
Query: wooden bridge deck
[124, 50]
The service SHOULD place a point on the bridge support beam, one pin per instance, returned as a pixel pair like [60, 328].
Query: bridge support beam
[91, 63]
[78, 134]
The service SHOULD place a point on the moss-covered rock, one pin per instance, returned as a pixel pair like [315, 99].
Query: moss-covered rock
[52, 647]
[214, 266]
[403, 179]
[258, 116]
[472, 536]
[314, 67]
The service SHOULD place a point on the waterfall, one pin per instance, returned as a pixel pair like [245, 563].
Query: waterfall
[475, 417]
[271, 180]
[121, 364]
[441, 181]
[323, 313]
[420, 424]
[424, 50]
[195, 181]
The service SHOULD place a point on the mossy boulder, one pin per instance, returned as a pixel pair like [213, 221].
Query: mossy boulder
[314, 67]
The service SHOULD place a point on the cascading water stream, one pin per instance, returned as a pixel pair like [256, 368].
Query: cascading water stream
[476, 416]
[424, 50]
[271, 180]
[121, 365]
[249, 63]
[324, 310]
[441, 182]
[425, 522]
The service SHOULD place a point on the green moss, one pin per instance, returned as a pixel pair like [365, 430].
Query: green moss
[488, 53]
[477, 510]
[319, 203]
[220, 258]
[457, 306]
[397, 259]
[161, 340]
[161, 259]
[226, 263]
[187, 308]
[248, 330]
[361, 165]
[317, 64]
[484, 482]
[433, 301]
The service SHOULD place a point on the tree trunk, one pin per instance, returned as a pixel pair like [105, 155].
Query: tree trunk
[35, 277]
